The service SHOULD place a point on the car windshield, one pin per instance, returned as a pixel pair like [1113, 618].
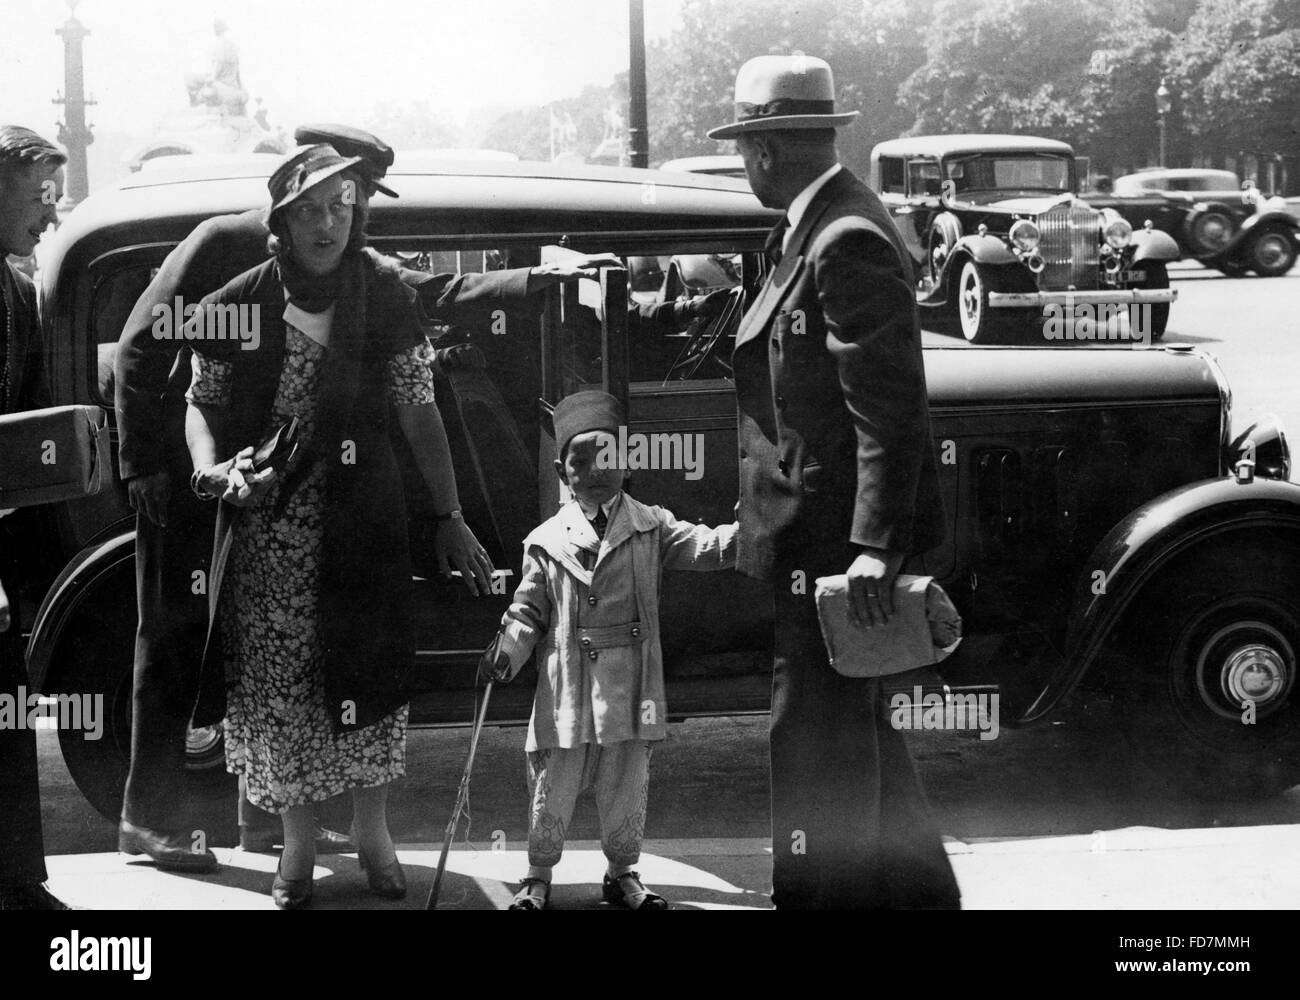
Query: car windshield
[1010, 173]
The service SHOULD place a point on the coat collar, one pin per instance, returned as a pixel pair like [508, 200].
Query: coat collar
[782, 279]
[567, 535]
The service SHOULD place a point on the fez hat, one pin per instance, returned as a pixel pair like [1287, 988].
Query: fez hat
[348, 141]
[582, 412]
[783, 92]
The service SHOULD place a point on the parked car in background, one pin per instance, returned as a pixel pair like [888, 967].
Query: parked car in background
[1106, 528]
[997, 233]
[1217, 219]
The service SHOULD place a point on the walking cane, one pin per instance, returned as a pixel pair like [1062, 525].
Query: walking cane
[462, 796]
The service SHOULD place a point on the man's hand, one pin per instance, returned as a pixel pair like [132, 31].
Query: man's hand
[458, 358]
[557, 272]
[235, 482]
[455, 545]
[708, 306]
[871, 586]
[149, 495]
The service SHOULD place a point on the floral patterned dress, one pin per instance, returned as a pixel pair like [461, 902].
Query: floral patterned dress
[278, 733]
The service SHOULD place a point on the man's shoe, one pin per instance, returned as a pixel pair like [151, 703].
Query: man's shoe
[327, 841]
[628, 890]
[33, 896]
[170, 851]
[533, 894]
[290, 893]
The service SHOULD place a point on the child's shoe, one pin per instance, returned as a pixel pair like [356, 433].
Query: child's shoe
[533, 894]
[628, 890]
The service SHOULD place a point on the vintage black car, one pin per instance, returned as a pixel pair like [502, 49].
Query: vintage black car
[1219, 221]
[1107, 527]
[997, 233]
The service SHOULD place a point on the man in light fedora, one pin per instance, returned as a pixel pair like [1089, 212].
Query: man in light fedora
[837, 474]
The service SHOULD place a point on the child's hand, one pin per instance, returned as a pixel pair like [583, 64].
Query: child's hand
[494, 665]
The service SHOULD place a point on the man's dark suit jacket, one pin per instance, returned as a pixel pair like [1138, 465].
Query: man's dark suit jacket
[835, 454]
[22, 850]
[834, 421]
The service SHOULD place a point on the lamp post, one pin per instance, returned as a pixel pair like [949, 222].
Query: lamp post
[1162, 109]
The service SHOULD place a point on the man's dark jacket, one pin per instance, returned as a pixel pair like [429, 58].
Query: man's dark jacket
[834, 421]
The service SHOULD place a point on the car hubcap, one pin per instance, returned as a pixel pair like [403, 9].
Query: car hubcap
[1271, 251]
[1214, 231]
[1246, 663]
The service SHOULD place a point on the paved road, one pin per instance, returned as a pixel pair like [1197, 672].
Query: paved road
[1062, 816]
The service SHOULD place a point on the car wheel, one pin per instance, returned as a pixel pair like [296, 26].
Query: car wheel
[96, 657]
[1271, 253]
[1210, 231]
[1157, 279]
[981, 324]
[1207, 693]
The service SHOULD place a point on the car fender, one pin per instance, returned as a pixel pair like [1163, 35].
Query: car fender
[110, 564]
[1261, 221]
[1153, 244]
[985, 250]
[1139, 546]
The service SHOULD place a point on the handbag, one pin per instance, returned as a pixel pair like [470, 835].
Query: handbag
[54, 454]
[924, 628]
[276, 451]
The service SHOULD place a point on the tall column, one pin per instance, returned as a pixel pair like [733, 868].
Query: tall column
[74, 135]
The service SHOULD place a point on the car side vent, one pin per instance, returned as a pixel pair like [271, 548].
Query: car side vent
[999, 493]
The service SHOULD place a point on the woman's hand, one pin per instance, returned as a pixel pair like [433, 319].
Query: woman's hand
[456, 546]
[235, 482]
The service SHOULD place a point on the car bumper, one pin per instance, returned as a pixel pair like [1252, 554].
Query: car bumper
[1020, 300]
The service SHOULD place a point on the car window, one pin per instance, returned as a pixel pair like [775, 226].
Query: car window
[923, 178]
[1010, 173]
[892, 176]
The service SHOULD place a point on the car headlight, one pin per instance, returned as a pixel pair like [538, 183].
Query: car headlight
[1025, 235]
[1118, 234]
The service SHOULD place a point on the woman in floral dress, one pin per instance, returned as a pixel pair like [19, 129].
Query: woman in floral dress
[311, 604]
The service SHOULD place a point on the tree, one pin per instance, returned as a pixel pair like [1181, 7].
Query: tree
[1236, 77]
[1006, 66]
[871, 48]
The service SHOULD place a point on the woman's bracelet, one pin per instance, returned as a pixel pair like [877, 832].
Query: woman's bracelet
[196, 484]
[452, 515]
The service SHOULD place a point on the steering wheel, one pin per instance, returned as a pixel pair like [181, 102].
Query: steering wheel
[704, 338]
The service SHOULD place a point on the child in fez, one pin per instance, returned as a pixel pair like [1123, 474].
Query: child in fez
[588, 602]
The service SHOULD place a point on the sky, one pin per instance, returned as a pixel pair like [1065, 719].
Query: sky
[327, 60]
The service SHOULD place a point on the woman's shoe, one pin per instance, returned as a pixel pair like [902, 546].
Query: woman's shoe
[291, 893]
[628, 890]
[533, 894]
[388, 881]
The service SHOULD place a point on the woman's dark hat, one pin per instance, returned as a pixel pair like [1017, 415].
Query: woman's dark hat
[349, 141]
[582, 412]
[303, 170]
[783, 92]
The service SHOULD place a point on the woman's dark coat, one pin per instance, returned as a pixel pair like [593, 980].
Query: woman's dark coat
[365, 599]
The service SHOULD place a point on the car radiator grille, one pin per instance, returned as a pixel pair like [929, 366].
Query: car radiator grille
[1069, 247]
